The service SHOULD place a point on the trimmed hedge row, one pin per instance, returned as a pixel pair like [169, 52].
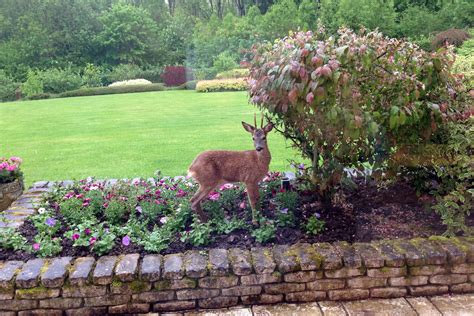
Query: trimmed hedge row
[112, 90]
[239, 84]
[234, 73]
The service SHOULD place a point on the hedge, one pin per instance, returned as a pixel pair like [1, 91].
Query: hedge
[112, 90]
[239, 84]
[233, 73]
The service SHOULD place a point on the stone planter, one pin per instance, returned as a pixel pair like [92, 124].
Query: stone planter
[9, 192]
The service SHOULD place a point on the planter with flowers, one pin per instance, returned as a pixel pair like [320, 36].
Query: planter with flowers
[11, 181]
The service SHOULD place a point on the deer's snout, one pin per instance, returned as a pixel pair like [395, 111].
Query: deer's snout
[259, 148]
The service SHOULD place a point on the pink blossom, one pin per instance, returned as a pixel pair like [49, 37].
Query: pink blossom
[163, 220]
[16, 159]
[75, 236]
[79, 196]
[105, 205]
[214, 196]
[226, 186]
[181, 193]
[243, 205]
[3, 165]
[92, 241]
[11, 168]
[36, 246]
[309, 97]
[87, 231]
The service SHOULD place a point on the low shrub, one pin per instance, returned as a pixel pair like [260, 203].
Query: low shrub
[204, 73]
[56, 80]
[238, 84]
[112, 90]
[10, 169]
[92, 76]
[33, 84]
[152, 74]
[224, 61]
[233, 73]
[175, 75]
[452, 37]
[465, 65]
[7, 87]
[39, 96]
[133, 82]
[190, 85]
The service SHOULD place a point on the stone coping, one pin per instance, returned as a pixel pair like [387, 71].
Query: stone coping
[220, 278]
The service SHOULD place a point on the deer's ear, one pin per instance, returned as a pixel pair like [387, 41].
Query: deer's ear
[249, 128]
[268, 128]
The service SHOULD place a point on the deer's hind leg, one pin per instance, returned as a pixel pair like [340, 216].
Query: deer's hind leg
[252, 191]
[201, 194]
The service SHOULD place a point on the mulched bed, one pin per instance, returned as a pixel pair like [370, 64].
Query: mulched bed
[367, 214]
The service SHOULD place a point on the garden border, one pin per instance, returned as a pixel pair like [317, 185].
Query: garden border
[227, 277]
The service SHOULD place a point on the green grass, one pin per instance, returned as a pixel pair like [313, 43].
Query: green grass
[127, 135]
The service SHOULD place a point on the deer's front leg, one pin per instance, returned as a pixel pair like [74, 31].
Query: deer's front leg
[252, 191]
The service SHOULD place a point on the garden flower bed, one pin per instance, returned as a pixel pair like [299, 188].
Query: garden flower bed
[154, 216]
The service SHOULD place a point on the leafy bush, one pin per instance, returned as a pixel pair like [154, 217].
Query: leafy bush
[465, 65]
[152, 74]
[346, 103]
[233, 73]
[204, 73]
[92, 76]
[467, 48]
[7, 87]
[314, 225]
[224, 61]
[451, 37]
[175, 75]
[112, 90]
[39, 96]
[123, 72]
[33, 84]
[239, 84]
[55, 80]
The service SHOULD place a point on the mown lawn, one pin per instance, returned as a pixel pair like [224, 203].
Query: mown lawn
[127, 135]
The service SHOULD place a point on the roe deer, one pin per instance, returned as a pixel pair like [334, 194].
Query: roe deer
[213, 168]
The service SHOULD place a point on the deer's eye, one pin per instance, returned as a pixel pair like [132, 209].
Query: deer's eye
[253, 138]
[264, 138]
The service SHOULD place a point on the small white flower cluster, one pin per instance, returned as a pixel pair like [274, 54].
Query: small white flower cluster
[130, 83]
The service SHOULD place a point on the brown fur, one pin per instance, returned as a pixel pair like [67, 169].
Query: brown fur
[213, 168]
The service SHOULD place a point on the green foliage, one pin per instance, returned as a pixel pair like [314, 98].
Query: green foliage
[199, 235]
[115, 212]
[226, 226]
[157, 240]
[55, 80]
[204, 73]
[223, 62]
[123, 72]
[48, 246]
[266, 231]
[326, 97]
[91, 76]
[10, 238]
[7, 87]
[33, 84]
[73, 212]
[314, 225]
[465, 65]
[233, 73]
[238, 84]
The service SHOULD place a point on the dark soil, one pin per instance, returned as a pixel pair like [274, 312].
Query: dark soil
[366, 214]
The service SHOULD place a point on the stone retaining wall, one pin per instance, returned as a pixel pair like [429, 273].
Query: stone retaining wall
[223, 278]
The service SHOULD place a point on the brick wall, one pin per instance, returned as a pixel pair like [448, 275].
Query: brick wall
[223, 278]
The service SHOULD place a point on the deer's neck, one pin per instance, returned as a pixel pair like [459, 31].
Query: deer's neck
[264, 157]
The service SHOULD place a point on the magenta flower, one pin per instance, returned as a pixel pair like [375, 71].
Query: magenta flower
[243, 205]
[36, 246]
[226, 186]
[50, 222]
[105, 205]
[214, 196]
[92, 241]
[3, 165]
[87, 231]
[126, 241]
[181, 193]
[11, 168]
[16, 159]
[79, 196]
[75, 236]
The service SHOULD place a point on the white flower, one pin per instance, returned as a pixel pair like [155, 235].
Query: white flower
[93, 187]
[41, 210]
[163, 220]
[130, 82]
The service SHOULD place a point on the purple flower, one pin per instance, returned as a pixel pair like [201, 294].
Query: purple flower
[284, 211]
[50, 222]
[87, 231]
[36, 246]
[126, 241]
[180, 193]
[75, 236]
[301, 166]
[214, 196]
[139, 209]
[317, 215]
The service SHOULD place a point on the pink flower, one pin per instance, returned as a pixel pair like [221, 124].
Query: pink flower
[75, 236]
[226, 186]
[11, 168]
[243, 205]
[87, 231]
[105, 205]
[92, 241]
[309, 97]
[214, 196]
[3, 165]
[16, 159]
[163, 220]
[79, 196]
[126, 241]
[181, 193]
[36, 246]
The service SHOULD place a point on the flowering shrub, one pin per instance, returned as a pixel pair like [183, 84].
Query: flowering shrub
[10, 169]
[239, 84]
[175, 75]
[132, 82]
[352, 101]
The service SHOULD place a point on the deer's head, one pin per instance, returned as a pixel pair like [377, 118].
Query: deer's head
[259, 135]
